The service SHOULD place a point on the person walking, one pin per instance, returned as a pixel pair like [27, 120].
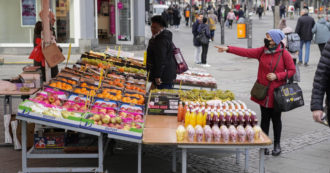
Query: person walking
[231, 17]
[165, 16]
[294, 55]
[204, 27]
[275, 64]
[197, 44]
[260, 10]
[322, 32]
[186, 14]
[240, 13]
[282, 10]
[176, 17]
[212, 21]
[304, 28]
[160, 61]
[321, 86]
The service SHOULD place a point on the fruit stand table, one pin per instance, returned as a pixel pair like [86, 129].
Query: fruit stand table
[12, 94]
[57, 153]
[161, 130]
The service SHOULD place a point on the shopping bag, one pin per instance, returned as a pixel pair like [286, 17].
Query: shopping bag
[227, 23]
[259, 91]
[287, 97]
[181, 65]
[37, 55]
[53, 55]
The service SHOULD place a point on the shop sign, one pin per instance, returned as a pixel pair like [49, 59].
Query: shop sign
[28, 13]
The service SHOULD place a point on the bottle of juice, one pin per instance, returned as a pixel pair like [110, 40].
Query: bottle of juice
[241, 120]
[199, 118]
[180, 111]
[215, 118]
[193, 118]
[187, 118]
[204, 118]
[221, 118]
[185, 107]
[234, 119]
[228, 118]
[253, 119]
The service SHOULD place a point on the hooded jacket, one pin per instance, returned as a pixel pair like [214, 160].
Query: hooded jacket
[321, 83]
[160, 60]
[195, 33]
[304, 27]
[267, 61]
[322, 31]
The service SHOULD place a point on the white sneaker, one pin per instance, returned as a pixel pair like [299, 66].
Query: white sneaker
[206, 65]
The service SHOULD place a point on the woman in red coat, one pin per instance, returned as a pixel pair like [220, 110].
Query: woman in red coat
[267, 57]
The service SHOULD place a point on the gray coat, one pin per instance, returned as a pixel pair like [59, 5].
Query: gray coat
[322, 31]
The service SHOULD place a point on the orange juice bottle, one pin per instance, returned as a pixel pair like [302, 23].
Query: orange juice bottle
[187, 118]
[199, 119]
[180, 111]
[193, 118]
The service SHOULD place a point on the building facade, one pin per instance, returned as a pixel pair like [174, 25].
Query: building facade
[86, 24]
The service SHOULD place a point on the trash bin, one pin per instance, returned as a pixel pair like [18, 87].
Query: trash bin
[241, 30]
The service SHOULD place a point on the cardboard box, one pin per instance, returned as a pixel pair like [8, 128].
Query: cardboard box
[161, 104]
[49, 140]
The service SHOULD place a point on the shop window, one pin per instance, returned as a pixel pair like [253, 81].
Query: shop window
[63, 15]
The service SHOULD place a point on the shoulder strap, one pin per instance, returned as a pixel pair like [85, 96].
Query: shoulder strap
[278, 60]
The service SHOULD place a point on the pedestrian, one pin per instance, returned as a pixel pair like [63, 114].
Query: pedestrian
[186, 14]
[260, 10]
[294, 54]
[322, 32]
[304, 28]
[165, 16]
[170, 16]
[268, 56]
[212, 21]
[227, 10]
[240, 13]
[37, 41]
[197, 44]
[321, 86]
[204, 27]
[297, 7]
[305, 6]
[176, 17]
[160, 61]
[282, 11]
[231, 17]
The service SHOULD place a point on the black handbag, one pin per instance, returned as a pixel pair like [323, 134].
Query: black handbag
[201, 37]
[288, 96]
[258, 90]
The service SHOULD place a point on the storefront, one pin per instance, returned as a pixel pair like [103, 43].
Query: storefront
[83, 23]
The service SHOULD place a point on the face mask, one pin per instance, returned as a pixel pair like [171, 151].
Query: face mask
[267, 42]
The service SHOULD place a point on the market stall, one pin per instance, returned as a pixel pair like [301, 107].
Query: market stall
[105, 93]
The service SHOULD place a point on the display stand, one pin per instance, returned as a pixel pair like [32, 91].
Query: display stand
[4, 95]
[161, 130]
[56, 153]
[183, 86]
[14, 94]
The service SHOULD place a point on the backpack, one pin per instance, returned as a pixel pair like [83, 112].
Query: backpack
[293, 44]
[212, 24]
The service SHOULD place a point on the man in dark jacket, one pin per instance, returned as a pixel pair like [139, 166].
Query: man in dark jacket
[160, 61]
[304, 28]
[282, 11]
[321, 85]
[197, 44]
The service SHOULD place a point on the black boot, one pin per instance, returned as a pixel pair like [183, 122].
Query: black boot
[267, 152]
[277, 149]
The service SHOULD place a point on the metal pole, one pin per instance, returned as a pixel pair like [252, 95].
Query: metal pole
[249, 25]
[46, 31]
[222, 25]
[184, 160]
[24, 158]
